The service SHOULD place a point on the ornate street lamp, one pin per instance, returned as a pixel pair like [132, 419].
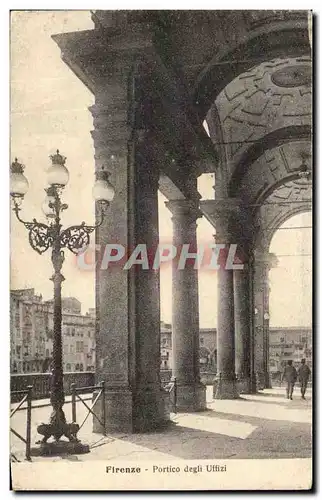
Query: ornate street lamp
[41, 238]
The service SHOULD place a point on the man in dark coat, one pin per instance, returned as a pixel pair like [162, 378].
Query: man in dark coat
[304, 373]
[290, 375]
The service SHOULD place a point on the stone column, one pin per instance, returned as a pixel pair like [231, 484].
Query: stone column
[127, 300]
[242, 329]
[263, 263]
[225, 385]
[191, 394]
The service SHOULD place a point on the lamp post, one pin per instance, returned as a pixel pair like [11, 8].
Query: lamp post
[266, 347]
[52, 235]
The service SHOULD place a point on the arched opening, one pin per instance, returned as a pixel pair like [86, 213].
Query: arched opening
[290, 282]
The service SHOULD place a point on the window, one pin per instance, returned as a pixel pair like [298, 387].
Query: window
[282, 339]
[73, 332]
[81, 367]
[79, 346]
[68, 367]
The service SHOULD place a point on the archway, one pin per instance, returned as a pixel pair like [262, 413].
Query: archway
[290, 333]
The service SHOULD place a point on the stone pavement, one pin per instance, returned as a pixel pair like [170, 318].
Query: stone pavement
[265, 425]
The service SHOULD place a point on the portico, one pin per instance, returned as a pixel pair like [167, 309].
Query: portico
[156, 76]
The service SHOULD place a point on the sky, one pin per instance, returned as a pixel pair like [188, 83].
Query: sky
[49, 110]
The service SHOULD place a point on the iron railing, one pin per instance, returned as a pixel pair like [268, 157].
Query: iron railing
[28, 394]
[42, 384]
[27, 440]
[101, 394]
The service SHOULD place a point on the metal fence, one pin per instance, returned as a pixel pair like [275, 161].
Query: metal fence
[41, 383]
[27, 397]
[90, 409]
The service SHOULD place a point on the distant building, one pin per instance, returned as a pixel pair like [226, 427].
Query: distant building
[69, 305]
[166, 346]
[207, 351]
[31, 340]
[287, 343]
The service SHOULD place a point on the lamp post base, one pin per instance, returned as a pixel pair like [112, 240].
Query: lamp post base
[58, 448]
[57, 428]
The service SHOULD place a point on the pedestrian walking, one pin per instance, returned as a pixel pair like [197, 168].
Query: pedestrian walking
[304, 373]
[290, 375]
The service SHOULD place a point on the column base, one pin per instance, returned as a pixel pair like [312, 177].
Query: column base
[243, 384]
[260, 381]
[268, 382]
[253, 388]
[225, 388]
[191, 397]
[125, 411]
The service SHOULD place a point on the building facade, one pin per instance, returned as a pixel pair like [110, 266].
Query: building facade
[31, 339]
[289, 343]
[285, 343]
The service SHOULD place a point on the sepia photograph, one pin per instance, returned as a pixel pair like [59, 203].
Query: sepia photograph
[161, 333]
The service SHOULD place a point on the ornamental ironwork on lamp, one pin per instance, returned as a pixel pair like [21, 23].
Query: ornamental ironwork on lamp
[51, 235]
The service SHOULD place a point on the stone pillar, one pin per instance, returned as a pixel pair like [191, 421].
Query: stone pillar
[191, 393]
[127, 300]
[225, 385]
[242, 329]
[233, 221]
[263, 263]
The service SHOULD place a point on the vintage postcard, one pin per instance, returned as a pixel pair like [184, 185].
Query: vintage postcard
[161, 250]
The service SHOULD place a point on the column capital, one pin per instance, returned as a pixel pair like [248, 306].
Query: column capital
[184, 209]
[266, 260]
[221, 208]
[229, 216]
